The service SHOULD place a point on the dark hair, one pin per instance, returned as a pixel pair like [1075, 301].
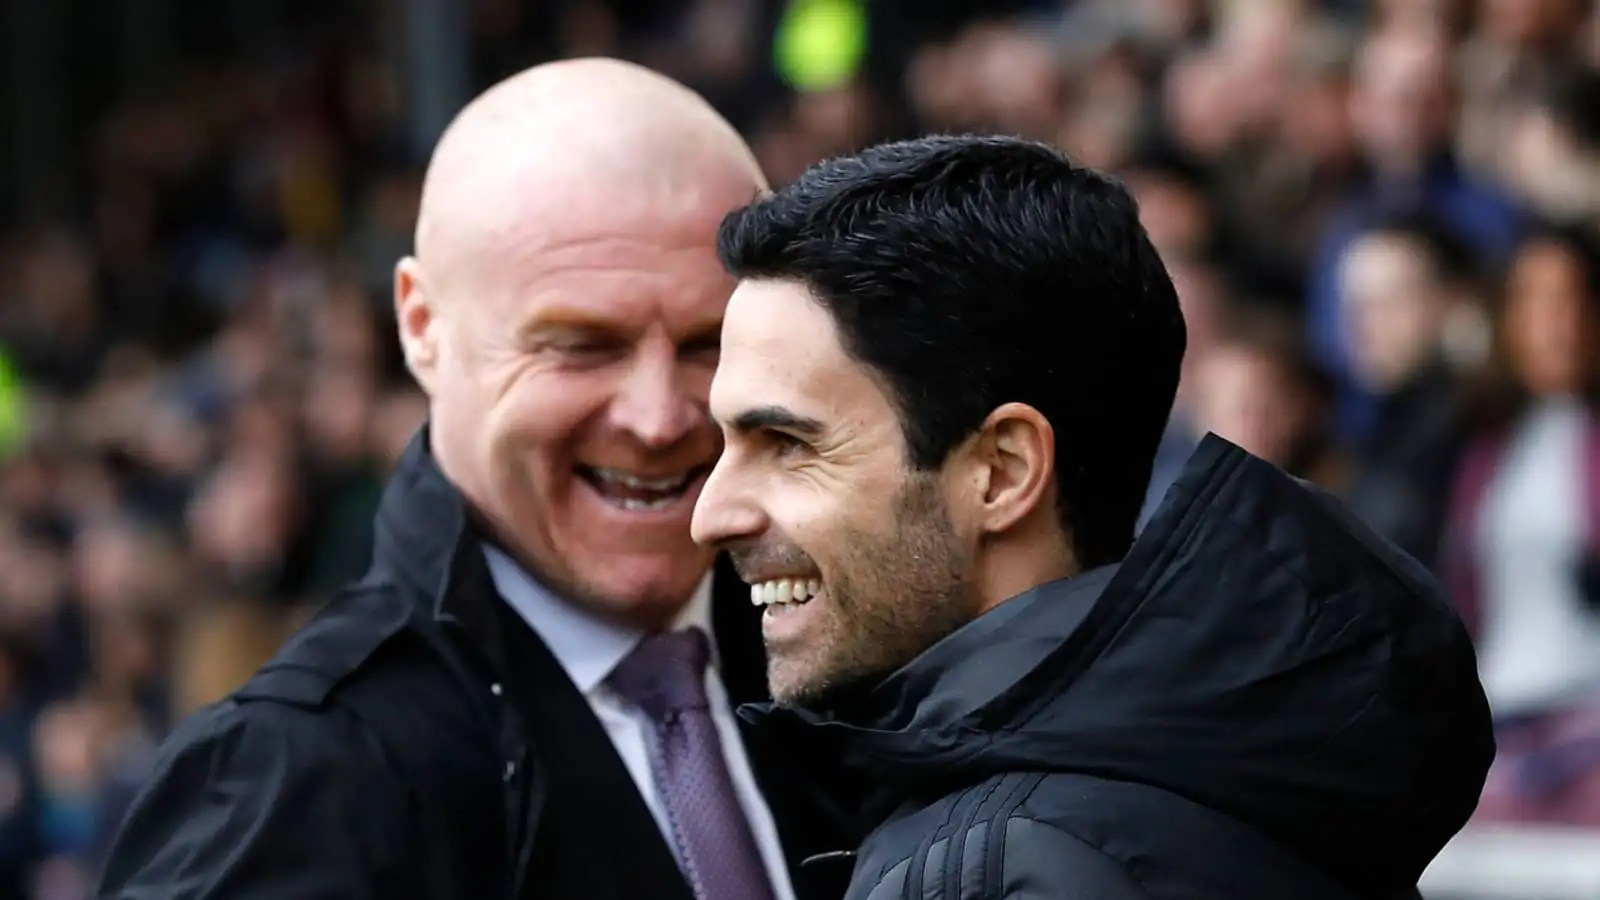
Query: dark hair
[969, 272]
[1497, 398]
[1573, 100]
[1448, 255]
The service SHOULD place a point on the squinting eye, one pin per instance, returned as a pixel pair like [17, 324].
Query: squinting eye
[787, 444]
[591, 348]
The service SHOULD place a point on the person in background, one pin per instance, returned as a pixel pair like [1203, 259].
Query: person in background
[937, 450]
[1259, 388]
[1518, 52]
[1403, 108]
[1524, 541]
[1553, 151]
[530, 691]
[1403, 281]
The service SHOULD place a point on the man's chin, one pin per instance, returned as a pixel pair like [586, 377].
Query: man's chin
[814, 691]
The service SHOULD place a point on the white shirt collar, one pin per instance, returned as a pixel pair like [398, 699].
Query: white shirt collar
[586, 646]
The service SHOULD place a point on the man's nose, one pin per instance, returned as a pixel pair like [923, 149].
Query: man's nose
[656, 406]
[724, 512]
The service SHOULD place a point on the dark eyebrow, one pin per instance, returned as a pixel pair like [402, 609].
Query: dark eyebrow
[776, 417]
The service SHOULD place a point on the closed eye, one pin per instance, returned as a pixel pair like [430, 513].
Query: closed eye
[596, 352]
[595, 346]
[784, 444]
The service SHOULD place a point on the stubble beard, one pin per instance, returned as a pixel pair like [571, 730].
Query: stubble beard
[890, 597]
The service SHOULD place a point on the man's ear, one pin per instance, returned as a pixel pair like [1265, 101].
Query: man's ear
[1015, 450]
[415, 315]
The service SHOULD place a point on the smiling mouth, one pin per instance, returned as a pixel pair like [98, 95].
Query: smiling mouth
[639, 493]
[784, 593]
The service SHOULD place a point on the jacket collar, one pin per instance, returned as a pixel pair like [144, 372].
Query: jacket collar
[425, 540]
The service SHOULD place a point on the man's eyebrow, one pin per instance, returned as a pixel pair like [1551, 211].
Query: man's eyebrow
[776, 417]
[563, 325]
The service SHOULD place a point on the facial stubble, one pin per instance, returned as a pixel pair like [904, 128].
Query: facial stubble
[889, 595]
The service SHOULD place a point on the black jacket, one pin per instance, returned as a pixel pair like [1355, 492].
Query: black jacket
[1405, 468]
[417, 740]
[1262, 702]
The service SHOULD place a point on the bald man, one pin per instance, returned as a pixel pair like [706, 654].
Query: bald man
[531, 692]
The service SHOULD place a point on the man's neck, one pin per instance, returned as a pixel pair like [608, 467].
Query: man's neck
[1007, 571]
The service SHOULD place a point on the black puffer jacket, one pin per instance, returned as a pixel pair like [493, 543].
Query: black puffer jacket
[1262, 702]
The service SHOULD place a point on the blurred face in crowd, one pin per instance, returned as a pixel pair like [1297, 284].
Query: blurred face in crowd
[1551, 169]
[990, 75]
[1402, 106]
[815, 499]
[1204, 119]
[1256, 43]
[66, 745]
[1247, 396]
[1395, 309]
[1531, 24]
[1552, 330]
[563, 314]
[1418, 13]
[243, 517]
[1172, 211]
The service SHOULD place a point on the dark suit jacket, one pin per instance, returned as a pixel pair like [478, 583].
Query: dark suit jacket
[417, 739]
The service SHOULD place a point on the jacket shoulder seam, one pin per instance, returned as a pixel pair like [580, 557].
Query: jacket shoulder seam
[951, 828]
[1144, 891]
[1022, 786]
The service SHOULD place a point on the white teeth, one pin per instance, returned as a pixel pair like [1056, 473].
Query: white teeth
[784, 590]
[631, 504]
[628, 480]
[670, 489]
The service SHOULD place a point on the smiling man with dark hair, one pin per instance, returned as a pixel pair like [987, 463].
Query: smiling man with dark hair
[944, 375]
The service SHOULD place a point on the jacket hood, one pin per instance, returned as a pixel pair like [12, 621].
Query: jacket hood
[1258, 651]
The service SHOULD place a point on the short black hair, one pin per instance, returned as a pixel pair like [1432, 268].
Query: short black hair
[1448, 255]
[969, 272]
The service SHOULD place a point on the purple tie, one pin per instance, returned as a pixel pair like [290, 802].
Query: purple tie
[665, 676]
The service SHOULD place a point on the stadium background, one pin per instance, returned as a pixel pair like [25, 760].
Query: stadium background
[201, 202]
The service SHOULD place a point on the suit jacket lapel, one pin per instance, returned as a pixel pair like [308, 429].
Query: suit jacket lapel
[592, 810]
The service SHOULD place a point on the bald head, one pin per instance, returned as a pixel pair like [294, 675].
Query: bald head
[574, 143]
[563, 314]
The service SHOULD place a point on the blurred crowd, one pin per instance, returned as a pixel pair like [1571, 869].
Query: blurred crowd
[1382, 219]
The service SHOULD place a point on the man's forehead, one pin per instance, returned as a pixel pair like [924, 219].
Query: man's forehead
[779, 345]
[516, 215]
[591, 269]
[762, 309]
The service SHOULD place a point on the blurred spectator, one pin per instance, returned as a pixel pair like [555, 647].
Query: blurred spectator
[1403, 107]
[1522, 46]
[1554, 151]
[1525, 551]
[66, 745]
[1402, 281]
[1257, 388]
[54, 327]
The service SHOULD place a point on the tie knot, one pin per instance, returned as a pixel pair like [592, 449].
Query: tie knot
[666, 673]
